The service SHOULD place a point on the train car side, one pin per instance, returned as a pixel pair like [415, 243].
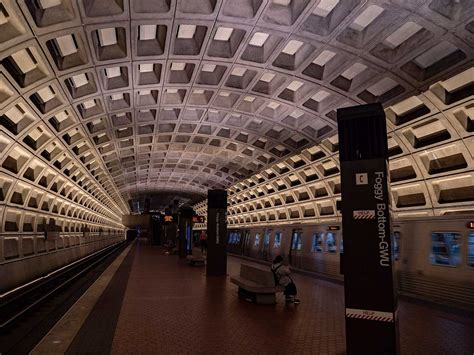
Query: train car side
[433, 257]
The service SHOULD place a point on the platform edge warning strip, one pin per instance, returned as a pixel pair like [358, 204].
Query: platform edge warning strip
[59, 338]
[96, 334]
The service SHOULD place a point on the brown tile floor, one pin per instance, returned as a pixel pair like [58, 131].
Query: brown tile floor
[170, 307]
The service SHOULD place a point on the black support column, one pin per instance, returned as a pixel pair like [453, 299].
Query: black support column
[370, 300]
[185, 231]
[169, 230]
[216, 232]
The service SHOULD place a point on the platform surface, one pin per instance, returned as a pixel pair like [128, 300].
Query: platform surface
[170, 307]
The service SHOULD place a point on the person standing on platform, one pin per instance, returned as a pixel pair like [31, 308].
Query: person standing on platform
[203, 241]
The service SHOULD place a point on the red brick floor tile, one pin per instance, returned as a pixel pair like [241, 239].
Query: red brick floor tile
[170, 307]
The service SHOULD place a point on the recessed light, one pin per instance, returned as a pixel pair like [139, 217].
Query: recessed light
[209, 68]
[147, 32]
[107, 36]
[223, 33]
[178, 66]
[259, 39]
[66, 45]
[186, 31]
[292, 47]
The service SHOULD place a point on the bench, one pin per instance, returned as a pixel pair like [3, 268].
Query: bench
[256, 284]
[195, 260]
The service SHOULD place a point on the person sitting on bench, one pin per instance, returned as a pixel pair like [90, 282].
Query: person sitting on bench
[281, 273]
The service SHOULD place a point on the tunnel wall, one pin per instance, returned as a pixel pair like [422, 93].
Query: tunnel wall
[24, 258]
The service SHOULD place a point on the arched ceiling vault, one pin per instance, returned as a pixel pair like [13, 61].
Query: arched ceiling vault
[129, 97]
[431, 154]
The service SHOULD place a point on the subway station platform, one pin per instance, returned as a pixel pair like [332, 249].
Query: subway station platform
[156, 303]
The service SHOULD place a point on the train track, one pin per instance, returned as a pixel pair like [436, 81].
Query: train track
[30, 311]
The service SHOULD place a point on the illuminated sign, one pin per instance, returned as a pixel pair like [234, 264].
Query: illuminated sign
[199, 219]
[470, 225]
[333, 228]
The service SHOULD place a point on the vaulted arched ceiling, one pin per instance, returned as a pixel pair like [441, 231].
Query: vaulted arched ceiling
[139, 96]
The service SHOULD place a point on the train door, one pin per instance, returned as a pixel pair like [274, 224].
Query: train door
[266, 255]
[294, 255]
[276, 248]
[233, 240]
[256, 245]
[246, 245]
[238, 242]
[331, 256]
[242, 241]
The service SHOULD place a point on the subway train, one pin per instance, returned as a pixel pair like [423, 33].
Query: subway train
[433, 257]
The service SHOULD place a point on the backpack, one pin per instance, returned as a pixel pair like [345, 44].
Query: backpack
[275, 275]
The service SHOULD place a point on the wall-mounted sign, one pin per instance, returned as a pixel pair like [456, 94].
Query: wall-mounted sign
[168, 218]
[470, 224]
[333, 228]
[199, 219]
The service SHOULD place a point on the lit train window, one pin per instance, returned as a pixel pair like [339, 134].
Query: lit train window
[470, 250]
[257, 239]
[396, 245]
[317, 242]
[266, 239]
[234, 238]
[445, 248]
[331, 244]
[277, 242]
[297, 243]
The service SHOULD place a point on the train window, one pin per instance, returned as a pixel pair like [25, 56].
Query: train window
[470, 250]
[445, 248]
[396, 244]
[234, 238]
[331, 245]
[266, 239]
[317, 242]
[257, 239]
[296, 242]
[277, 242]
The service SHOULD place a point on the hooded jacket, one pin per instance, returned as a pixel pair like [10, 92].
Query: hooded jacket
[283, 273]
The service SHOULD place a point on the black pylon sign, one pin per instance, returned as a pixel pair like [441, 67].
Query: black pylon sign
[370, 299]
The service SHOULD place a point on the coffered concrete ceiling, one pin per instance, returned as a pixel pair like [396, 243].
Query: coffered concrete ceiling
[170, 95]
